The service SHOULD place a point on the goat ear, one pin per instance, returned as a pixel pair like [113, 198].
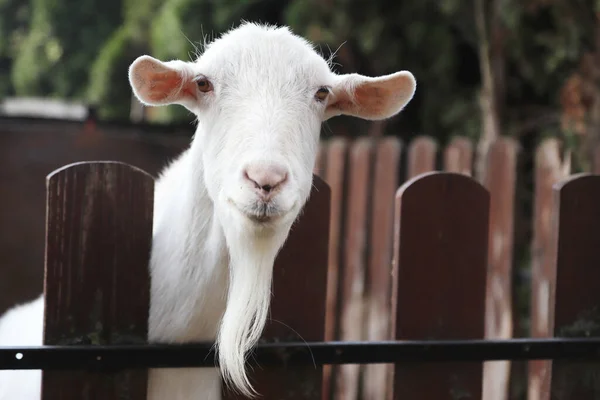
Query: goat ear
[371, 98]
[157, 83]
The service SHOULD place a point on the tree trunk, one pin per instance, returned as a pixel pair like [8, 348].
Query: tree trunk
[491, 64]
[593, 136]
[496, 379]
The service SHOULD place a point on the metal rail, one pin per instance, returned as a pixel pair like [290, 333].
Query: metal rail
[298, 353]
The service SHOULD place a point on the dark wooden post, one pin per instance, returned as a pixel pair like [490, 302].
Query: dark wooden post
[440, 257]
[500, 180]
[376, 380]
[98, 240]
[576, 309]
[421, 156]
[548, 171]
[298, 303]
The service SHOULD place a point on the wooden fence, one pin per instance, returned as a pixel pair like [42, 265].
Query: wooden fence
[397, 252]
[428, 260]
[369, 298]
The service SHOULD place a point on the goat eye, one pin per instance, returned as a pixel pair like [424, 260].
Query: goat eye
[322, 93]
[204, 85]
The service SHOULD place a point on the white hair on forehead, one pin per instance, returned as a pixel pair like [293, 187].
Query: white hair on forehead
[250, 40]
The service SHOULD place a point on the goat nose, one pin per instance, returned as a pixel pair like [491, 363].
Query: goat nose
[266, 178]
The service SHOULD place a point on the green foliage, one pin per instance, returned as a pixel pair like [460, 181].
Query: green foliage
[14, 18]
[109, 87]
[81, 50]
[382, 38]
[63, 40]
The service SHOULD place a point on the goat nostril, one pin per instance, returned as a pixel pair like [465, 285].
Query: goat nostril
[266, 179]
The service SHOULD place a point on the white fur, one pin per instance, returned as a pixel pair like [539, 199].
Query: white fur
[211, 262]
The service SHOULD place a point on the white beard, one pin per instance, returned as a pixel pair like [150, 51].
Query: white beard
[249, 296]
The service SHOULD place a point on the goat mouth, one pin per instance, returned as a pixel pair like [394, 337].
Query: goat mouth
[261, 213]
[261, 218]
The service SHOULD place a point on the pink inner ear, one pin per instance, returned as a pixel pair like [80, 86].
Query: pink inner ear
[368, 98]
[371, 97]
[159, 84]
[167, 86]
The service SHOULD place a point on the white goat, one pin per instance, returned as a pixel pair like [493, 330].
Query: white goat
[224, 208]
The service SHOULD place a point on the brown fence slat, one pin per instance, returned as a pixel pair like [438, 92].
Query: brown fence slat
[298, 304]
[335, 174]
[376, 381]
[548, 171]
[99, 234]
[500, 180]
[319, 167]
[353, 274]
[440, 256]
[458, 156]
[577, 294]
[421, 156]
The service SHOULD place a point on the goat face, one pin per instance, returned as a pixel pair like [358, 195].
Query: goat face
[261, 132]
[260, 95]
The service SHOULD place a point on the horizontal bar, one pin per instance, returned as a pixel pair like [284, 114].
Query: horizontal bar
[297, 353]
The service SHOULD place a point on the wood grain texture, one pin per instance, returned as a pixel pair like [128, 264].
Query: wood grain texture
[355, 262]
[440, 257]
[548, 171]
[335, 176]
[298, 304]
[376, 378]
[29, 151]
[576, 308]
[500, 180]
[98, 240]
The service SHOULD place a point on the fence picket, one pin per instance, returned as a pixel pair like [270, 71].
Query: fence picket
[458, 156]
[576, 308]
[548, 171]
[596, 161]
[440, 256]
[500, 179]
[298, 304]
[99, 234]
[354, 263]
[421, 156]
[376, 380]
[335, 174]
[320, 160]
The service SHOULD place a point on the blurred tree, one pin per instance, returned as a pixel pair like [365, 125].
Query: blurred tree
[14, 22]
[516, 67]
[381, 37]
[63, 40]
[108, 87]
